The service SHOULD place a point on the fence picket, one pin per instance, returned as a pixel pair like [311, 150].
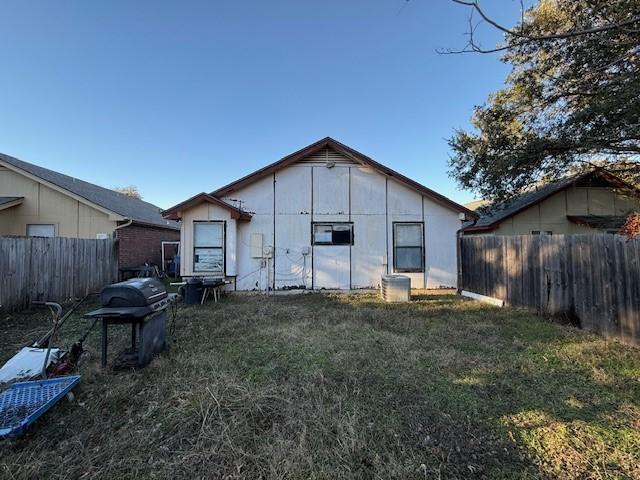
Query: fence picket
[54, 269]
[593, 277]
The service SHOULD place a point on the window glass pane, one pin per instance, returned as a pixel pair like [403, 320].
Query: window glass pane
[41, 230]
[208, 235]
[333, 234]
[322, 233]
[341, 235]
[409, 258]
[409, 235]
[208, 260]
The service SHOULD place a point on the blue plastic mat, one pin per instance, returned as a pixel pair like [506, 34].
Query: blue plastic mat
[23, 403]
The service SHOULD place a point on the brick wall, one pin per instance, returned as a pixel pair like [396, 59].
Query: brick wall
[141, 243]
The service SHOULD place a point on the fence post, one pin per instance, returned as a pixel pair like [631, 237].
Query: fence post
[459, 261]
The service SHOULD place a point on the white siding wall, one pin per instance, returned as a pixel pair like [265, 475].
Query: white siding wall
[203, 211]
[293, 226]
[348, 192]
[368, 213]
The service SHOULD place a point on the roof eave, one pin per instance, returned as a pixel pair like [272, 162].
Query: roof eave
[154, 225]
[351, 153]
[11, 204]
[480, 228]
[175, 212]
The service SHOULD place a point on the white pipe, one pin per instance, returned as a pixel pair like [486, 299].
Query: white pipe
[118, 227]
[483, 298]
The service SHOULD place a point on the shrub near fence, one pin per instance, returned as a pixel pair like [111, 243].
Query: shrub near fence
[54, 269]
[593, 280]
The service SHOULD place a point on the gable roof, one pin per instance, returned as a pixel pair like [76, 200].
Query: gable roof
[505, 210]
[354, 155]
[174, 212]
[129, 208]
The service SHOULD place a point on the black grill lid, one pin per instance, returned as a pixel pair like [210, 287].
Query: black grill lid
[137, 292]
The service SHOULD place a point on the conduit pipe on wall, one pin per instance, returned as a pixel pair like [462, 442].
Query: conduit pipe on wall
[129, 222]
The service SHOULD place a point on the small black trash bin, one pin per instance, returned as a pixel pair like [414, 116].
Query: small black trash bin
[193, 291]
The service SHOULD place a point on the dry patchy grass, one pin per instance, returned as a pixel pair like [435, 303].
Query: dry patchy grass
[326, 386]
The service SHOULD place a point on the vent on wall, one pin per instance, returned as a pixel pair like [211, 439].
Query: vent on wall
[395, 288]
[327, 155]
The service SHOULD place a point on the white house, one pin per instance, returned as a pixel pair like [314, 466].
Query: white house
[325, 216]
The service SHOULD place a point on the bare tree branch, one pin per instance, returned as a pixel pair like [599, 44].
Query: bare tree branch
[475, 6]
[473, 47]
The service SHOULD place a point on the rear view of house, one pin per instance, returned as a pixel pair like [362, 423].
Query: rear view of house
[325, 216]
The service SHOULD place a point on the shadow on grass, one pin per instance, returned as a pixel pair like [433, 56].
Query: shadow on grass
[339, 386]
[517, 389]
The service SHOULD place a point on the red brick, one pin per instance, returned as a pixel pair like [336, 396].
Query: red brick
[140, 243]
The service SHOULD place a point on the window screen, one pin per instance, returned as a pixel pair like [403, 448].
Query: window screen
[333, 234]
[41, 230]
[208, 247]
[408, 247]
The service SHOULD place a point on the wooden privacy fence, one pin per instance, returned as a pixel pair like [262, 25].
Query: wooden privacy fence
[593, 280]
[54, 269]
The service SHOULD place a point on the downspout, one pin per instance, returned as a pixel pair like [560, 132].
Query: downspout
[118, 227]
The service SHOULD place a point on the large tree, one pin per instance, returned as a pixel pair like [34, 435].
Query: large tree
[572, 97]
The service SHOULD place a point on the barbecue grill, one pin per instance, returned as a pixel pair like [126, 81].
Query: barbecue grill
[141, 302]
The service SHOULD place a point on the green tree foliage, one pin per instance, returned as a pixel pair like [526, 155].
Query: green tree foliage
[572, 98]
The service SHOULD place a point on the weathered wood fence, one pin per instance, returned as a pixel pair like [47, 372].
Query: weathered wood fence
[54, 269]
[593, 280]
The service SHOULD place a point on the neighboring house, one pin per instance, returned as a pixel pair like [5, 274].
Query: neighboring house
[325, 216]
[35, 201]
[595, 201]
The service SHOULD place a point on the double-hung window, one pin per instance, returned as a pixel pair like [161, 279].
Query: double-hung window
[333, 233]
[208, 247]
[408, 247]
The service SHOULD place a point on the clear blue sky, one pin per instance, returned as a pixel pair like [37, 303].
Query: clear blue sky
[182, 97]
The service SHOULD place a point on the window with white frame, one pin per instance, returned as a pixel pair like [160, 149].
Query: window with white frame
[333, 233]
[41, 230]
[541, 232]
[208, 247]
[408, 247]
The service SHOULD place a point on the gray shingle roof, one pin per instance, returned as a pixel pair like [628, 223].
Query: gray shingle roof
[501, 211]
[4, 200]
[119, 203]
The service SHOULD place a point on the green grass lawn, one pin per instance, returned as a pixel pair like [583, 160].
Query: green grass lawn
[344, 386]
